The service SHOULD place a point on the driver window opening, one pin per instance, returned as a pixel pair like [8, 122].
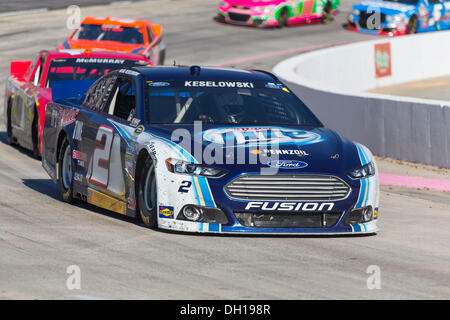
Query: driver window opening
[123, 102]
[37, 75]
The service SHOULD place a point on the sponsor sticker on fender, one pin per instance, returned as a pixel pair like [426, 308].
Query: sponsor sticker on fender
[166, 212]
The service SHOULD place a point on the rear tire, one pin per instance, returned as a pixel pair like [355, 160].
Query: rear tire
[65, 169]
[146, 194]
[283, 18]
[412, 25]
[9, 136]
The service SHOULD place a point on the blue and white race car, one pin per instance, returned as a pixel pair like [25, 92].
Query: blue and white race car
[207, 150]
[399, 17]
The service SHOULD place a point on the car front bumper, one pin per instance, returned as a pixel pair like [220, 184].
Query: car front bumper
[246, 17]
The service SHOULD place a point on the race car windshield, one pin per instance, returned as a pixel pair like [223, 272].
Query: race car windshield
[97, 32]
[85, 68]
[225, 102]
[410, 2]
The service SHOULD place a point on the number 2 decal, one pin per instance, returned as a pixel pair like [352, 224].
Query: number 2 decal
[184, 187]
[100, 172]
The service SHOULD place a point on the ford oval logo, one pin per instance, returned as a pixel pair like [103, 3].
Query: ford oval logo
[287, 164]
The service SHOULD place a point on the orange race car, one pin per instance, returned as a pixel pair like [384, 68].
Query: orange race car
[125, 35]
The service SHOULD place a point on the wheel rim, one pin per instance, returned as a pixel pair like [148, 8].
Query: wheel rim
[150, 190]
[67, 168]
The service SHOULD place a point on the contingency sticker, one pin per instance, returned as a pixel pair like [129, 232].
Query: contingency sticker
[166, 212]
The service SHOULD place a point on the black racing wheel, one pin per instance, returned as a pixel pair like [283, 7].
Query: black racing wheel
[36, 135]
[327, 14]
[283, 18]
[147, 195]
[65, 169]
[412, 25]
[9, 136]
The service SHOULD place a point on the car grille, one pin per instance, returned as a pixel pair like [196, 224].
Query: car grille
[364, 17]
[291, 187]
[287, 219]
[238, 17]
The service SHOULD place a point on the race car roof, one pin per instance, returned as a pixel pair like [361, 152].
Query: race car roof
[204, 73]
[87, 53]
[116, 21]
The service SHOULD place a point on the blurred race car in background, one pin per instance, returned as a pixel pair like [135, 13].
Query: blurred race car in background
[399, 17]
[125, 35]
[30, 83]
[276, 13]
[140, 144]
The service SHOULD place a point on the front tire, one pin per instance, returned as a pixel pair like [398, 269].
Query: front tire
[327, 15]
[412, 25]
[147, 196]
[36, 136]
[65, 169]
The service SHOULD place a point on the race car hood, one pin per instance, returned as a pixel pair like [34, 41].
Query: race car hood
[288, 149]
[386, 7]
[253, 3]
[104, 45]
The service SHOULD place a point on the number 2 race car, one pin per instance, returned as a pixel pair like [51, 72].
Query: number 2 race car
[276, 13]
[29, 87]
[125, 35]
[208, 150]
[399, 17]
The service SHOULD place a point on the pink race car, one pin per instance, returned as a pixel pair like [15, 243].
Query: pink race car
[276, 13]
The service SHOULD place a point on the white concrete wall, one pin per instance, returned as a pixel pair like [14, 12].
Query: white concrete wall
[351, 67]
[332, 83]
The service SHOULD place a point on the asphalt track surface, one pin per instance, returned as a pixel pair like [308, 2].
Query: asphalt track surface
[40, 236]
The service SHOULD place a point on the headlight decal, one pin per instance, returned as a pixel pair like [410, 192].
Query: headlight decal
[201, 186]
[364, 191]
[198, 188]
[364, 182]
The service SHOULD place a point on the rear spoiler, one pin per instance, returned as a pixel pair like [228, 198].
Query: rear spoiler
[64, 89]
[18, 69]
